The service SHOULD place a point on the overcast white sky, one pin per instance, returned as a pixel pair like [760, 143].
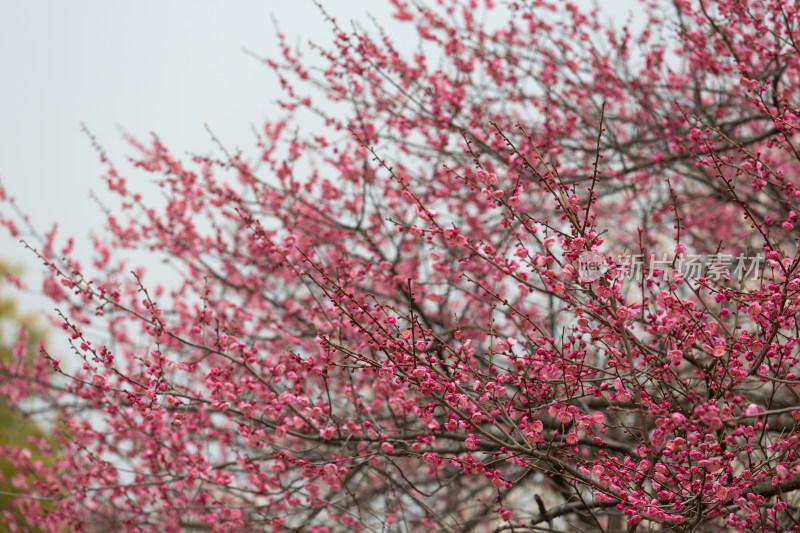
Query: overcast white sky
[145, 66]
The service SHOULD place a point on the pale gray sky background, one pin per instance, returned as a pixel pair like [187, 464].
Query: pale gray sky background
[167, 67]
[147, 66]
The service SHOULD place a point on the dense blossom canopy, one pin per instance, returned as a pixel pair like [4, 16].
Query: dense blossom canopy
[532, 271]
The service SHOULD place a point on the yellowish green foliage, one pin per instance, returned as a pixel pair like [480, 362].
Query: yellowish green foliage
[15, 427]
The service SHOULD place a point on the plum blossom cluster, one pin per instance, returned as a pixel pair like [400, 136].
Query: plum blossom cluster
[381, 324]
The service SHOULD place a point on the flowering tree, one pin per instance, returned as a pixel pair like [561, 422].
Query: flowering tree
[527, 275]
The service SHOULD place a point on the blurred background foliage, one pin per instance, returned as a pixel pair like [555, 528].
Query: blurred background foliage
[18, 429]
